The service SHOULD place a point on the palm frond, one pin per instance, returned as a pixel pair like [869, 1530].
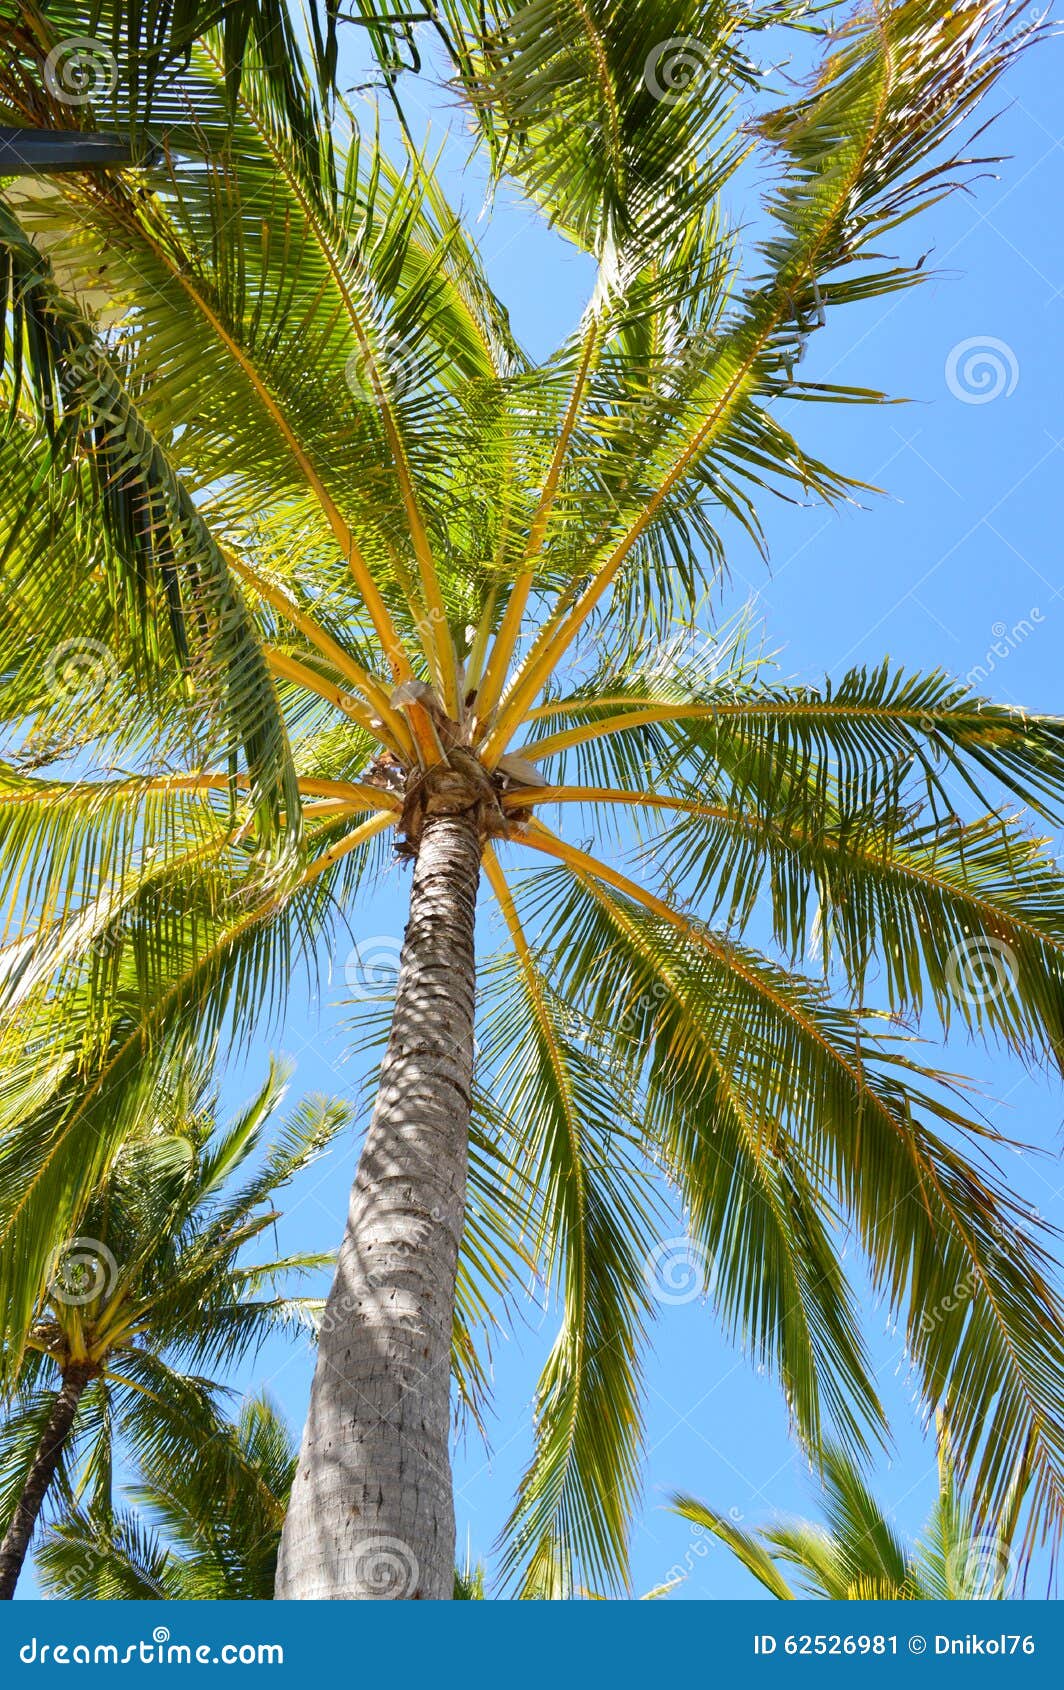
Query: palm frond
[878, 1130]
[593, 1237]
[162, 554]
[745, 1545]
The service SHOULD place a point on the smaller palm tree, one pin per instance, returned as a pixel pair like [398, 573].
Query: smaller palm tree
[859, 1556]
[469, 1582]
[203, 1530]
[155, 1287]
[206, 1525]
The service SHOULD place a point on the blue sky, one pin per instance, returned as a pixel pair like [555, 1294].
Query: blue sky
[958, 565]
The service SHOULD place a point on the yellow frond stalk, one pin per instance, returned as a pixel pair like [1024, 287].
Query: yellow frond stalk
[510, 628]
[291, 669]
[372, 690]
[520, 799]
[342, 848]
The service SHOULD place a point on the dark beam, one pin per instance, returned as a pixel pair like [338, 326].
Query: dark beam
[43, 152]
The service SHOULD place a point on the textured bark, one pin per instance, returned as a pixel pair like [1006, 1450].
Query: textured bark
[372, 1510]
[16, 1542]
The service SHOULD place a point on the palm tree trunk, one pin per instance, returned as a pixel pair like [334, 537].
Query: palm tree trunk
[42, 1471]
[372, 1511]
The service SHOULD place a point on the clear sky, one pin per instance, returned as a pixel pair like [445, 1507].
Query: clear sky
[958, 565]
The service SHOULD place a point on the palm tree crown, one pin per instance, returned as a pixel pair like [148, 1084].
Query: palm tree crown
[160, 1284]
[203, 1531]
[303, 553]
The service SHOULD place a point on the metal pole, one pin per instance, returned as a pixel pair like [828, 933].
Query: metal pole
[44, 152]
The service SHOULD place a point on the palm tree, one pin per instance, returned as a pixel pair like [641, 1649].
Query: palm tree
[157, 1283]
[859, 1556]
[308, 565]
[205, 1529]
